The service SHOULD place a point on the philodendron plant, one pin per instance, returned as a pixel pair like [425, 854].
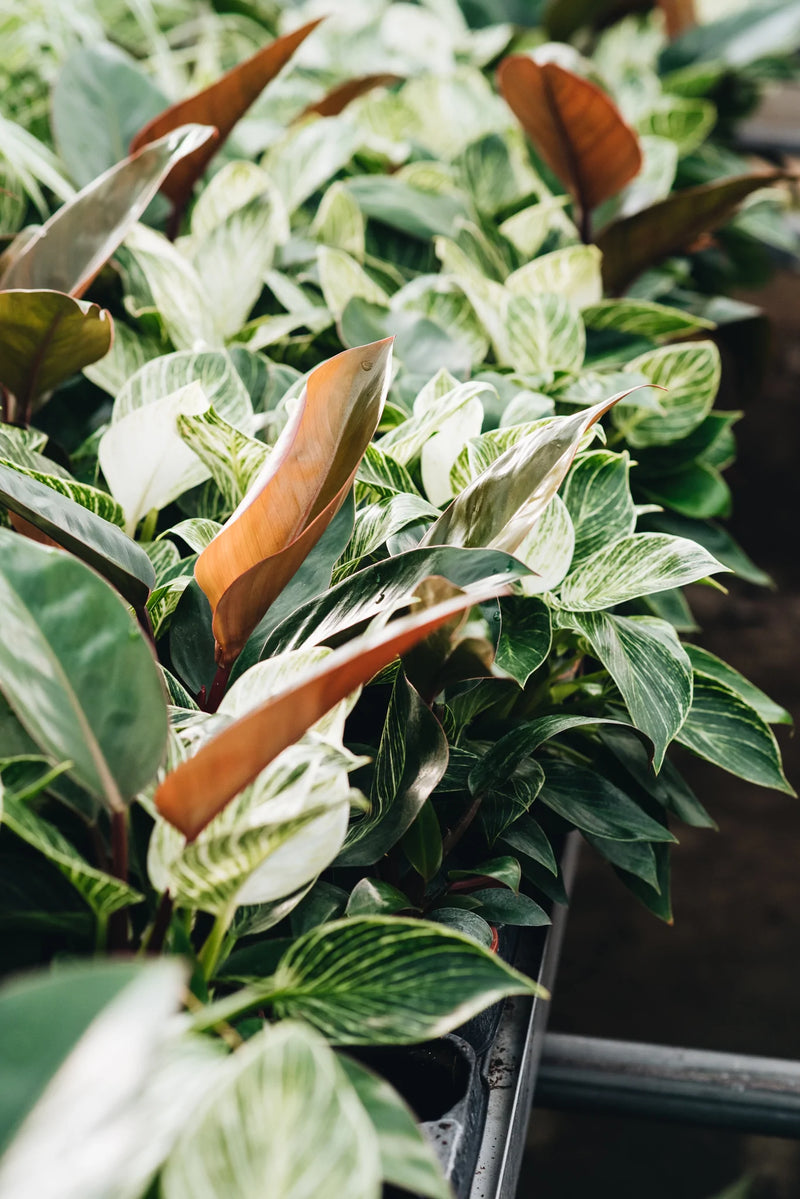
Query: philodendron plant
[339, 587]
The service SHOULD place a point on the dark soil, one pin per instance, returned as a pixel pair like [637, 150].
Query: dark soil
[727, 975]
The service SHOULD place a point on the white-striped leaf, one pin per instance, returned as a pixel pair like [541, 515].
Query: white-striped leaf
[233, 458]
[480, 452]
[197, 532]
[691, 374]
[573, 273]
[165, 557]
[228, 191]
[342, 278]
[598, 498]
[649, 665]
[231, 260]
[595, 805]
[634, 566]
[282, 1116]
[213, 370]
[442, 301]
[406, 442]
[339, 222]
[103, 893]
[525, 638]
[442, 449]
[388, 980]
[709, 664]
[380, 475]
[547, 549]
[407, 1157]
[684, 120]
[543, 334]
[489, 299]
[163, 601]
[91, 498]
[128, 353]
[308, 156]
[530, 228]
[642, 318]
[722, 728]
[175, 290]
[375, 523]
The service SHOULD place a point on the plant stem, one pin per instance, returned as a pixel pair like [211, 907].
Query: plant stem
[153, 941]
[454, 836]
[149, 525]
[214, 697]
[585, 227]
[208, 956]
[118, 921]
[100, 932]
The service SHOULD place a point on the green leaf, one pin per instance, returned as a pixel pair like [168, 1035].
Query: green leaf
[506, 870]
[691, 374]
[527, 837]
[465, 921]
[95, 541]
[373, 897]
[722, 728]
[78, 673]
[525, 636]
[634, 566]
[342, 279]
[42, 1019]
[196, 532]
[393, 202]
[388, 980]
[547, 549]
[594, 805]
[44, 338]
[407, 1157]
[69, 250]
[503, 758]
[422, 843]
[384, 587]
[573, 273]
[233, 458]
[100, 99]
[634, 857]
[709, 664]
[411, 760]
[103, 893]
[760, 31]
[649, 665]
[499, 507]
[598, 498]
[642, 318]
[543, 334]
[511, 798]
[278, 1096]
[214, 370]
[159, 278]
[683, 120]
[503, 907]
[716, 540]
[376, 523]
[433, 407]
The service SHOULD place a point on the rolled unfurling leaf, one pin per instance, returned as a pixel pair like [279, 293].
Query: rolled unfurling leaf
[578, 130]
[194, 793]
[222, 104]
[296, 495]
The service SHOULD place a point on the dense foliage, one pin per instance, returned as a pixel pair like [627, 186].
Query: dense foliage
[381, 440]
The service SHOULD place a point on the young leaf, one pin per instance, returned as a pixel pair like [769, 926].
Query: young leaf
[94, 540]
[199, 788]
[221, 105]
[77, 673]
[45, 337]
[294, 499]
[70, 248]
[276, 1097]
[337, 99]
[575, 126]
[499, 508]
[640, 241]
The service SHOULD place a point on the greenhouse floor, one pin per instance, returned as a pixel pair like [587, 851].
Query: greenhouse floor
[727, 975]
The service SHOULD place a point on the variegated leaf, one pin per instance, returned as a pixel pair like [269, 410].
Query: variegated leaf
[213, 370]
[642, 318]
[547, 549]
[598, 497]
[176, 291]
[691, 374]
[375, 523]
[406, 442]
[233, 458]
[573, 273]
[543, 334]
[91, 498]
[342, 278]
[634, 566]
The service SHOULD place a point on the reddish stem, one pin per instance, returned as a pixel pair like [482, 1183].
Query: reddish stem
[214, 697]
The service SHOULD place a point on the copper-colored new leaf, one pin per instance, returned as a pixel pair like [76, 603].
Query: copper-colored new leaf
[574, 125]
[679, 15]
[297, 494]
[194, 793]
[632, 245]
[337, 99]
[222, 104]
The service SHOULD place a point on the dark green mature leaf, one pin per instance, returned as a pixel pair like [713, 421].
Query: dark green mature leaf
[407, 1158]
[91, 498]
[388, 980]
[44, 338]
[723, 728]
[716, 540]
[69, 250]
[709, 664]
[635, 566]
[500, 506]
[659, 902]
[668, 788]
[637, 242]
[389, 200]
[373, 897]
[503, 907]
[41, 1020]
[276, 1097]
[95, 541]
[103, 893]
[504, 803]
[422, 843]
[411, 759]
[77, 671]
[506, 870]
[634, 857]
[525, 636]
[526, 836]
[593, 804]
[382, 587]
[465, 921]
[99, 100]
[649, 665]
